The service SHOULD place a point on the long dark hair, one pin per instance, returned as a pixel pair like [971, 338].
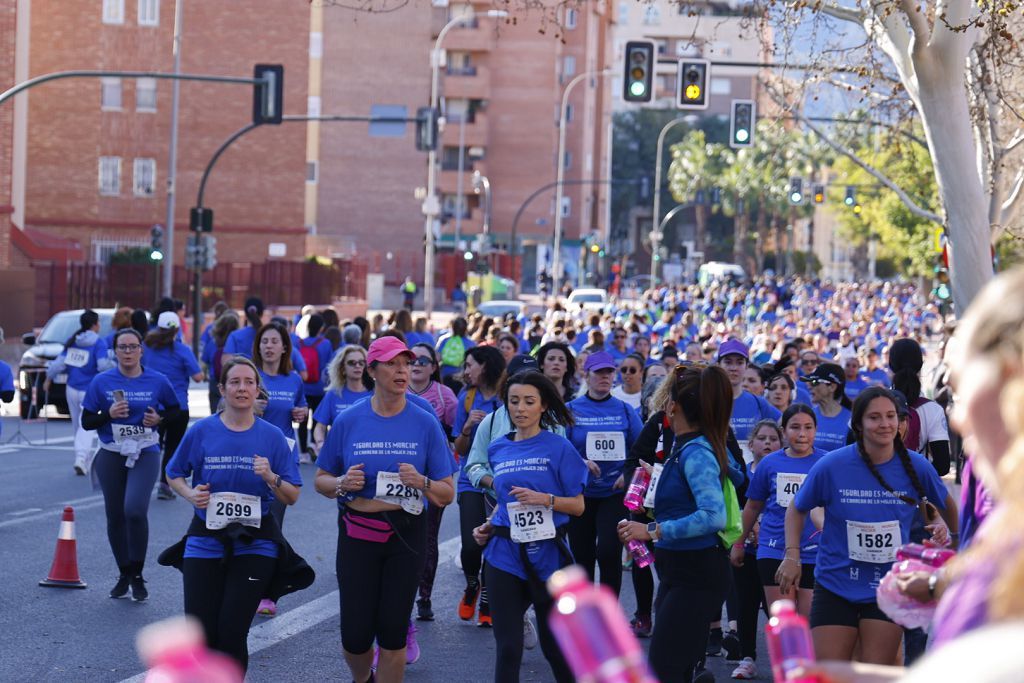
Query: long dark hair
[254, 312]
[493, 364]
[860, 406]
[570, 364]
[556, 412]
[140, 322]
[86, 322]
[905, 361]
[798, 409]
[705, 397]
[161, 338]
[284, 366]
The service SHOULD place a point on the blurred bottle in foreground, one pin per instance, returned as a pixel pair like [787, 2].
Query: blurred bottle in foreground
[175, 652]
[789, 642]
[593, 633]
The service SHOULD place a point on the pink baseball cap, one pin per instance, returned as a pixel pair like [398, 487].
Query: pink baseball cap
[386, 348]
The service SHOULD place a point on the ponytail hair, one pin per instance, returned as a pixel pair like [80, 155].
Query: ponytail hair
[704, 394]
[254, 312]
[86, 321]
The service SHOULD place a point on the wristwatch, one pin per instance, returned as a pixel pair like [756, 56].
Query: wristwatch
[277, 482]
[652, 529]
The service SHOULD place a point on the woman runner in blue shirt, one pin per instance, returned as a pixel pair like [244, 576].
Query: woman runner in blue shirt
[539, 480]
[348, 383]
[831, 406]
[239, 466]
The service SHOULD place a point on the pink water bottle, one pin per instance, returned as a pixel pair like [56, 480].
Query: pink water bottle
[175, 652]
[634, 499]
[789, 642]
[931, 556]
[642, 555]
[592, 631]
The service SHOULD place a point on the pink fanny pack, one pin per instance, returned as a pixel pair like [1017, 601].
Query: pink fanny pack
[367, 528]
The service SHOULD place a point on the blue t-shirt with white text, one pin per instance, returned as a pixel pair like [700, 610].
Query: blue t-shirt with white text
[284, 393]
[607, 415]
[149, 390]
[832, 431]
[776, 480]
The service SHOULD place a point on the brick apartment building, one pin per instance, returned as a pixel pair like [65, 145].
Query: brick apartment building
[501, 87]
[91, 176]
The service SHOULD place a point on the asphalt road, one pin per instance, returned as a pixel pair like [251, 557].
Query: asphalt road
[82, 635]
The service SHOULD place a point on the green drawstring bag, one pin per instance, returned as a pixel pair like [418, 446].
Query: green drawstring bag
[733, 518]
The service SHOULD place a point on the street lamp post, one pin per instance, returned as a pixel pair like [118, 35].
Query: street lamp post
[560, 173]
[431, 205]
[482, 183]
[656, 232]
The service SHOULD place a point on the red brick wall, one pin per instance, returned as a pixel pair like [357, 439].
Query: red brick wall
[8, 10]
[259, 182]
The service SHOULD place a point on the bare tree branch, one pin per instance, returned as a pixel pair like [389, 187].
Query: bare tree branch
[914, 207]
[954, 33]
[854, 16]
[1018, 138]
[918, 25]
[1011, 207]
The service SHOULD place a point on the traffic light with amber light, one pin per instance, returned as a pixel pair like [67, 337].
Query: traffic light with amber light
[638, 81]
[741, 124]
[819, 194]
[692, 84]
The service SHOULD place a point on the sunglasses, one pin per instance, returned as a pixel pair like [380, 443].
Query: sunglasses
[355, 363]
[628, 370]
[422, 361]
[816, 382]
[808, 361]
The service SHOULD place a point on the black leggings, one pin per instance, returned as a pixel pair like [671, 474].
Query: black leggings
[224, 597]
[693, 587]
[474, 507]
[377, 582]
[171, 435]
[307, 426]
[434, 514]
[510, 596]
[126, 495]
[593, 537]
[643, 578]
[750, 595]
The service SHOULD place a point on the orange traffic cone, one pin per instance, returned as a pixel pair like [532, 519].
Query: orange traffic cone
[64, 571]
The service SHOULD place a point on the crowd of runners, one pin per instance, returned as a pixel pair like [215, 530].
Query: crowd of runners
[809, 416]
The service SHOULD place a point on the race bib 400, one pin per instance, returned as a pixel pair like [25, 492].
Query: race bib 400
[786, 486]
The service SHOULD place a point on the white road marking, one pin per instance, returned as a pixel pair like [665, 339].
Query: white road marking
[26, 511]
[306, 616]
[54, 513]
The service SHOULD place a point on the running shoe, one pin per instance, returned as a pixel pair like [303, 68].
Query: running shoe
[467, 606]
[424, 610]
[704, 676]
[746, 670]
[642, 626]
[529, 632]
[139, 592]
[267, 608]
[80, 467]
[120, 589]
[412, 648]
[165, 492]
[731, 645]
[483, 617]
[304, 458]
[714, 643]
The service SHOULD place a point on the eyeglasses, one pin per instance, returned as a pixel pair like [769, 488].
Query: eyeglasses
[355, 363]
[422, 361]
[816, 382]
[628, 370]
[128, 348]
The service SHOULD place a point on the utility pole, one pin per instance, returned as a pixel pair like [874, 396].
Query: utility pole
[172, 157]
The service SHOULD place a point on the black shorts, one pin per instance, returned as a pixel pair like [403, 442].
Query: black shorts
[767, 567]
[829, 609]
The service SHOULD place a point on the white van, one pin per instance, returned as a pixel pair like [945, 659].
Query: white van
[718, 271]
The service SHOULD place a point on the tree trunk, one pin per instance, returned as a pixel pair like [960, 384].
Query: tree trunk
[762, 235]
[946, 119]
[780, 265]
[701, 218]
[739, 243]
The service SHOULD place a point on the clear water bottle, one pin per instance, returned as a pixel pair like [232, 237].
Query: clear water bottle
[593, 633]
[175, 652]
[789, 642]
[634, 500]
[929, 555]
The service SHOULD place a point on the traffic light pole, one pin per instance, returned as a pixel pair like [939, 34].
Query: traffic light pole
[656, 233]
[560, 175]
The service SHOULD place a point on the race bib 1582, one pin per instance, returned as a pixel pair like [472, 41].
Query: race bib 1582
[873, 541]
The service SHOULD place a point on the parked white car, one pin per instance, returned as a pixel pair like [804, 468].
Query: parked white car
[587, 300]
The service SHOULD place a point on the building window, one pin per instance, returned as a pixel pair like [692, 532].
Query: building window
[452, 204]
[450, 159]
[145, 94]
[623, 12]
[113, 11]
[566, 207]
[460, 64]
[721, 86]
[662, 46]
[144, 177]
[312, 172]
[569, 66]
[652, 15]
[110, 94]
[571, 17]
[568, 160]
[569, 112]
[457, 110]
[110, 176]
[149, 12]
[102, 249]
[316, 45]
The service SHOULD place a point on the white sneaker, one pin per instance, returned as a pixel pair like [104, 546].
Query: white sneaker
[529, 632]
[304, 458]
[746, 671]
[81, 467]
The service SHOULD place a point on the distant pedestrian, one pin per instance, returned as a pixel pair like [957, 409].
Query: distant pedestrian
[408, 293]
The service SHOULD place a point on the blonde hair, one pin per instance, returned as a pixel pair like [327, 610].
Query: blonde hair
[336, 368]
[992, 329]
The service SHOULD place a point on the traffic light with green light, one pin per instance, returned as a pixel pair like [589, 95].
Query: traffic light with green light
[156, 243]
[692, 85]
[741, 124]
[638, 81]
[851, 197]
[796, 190]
